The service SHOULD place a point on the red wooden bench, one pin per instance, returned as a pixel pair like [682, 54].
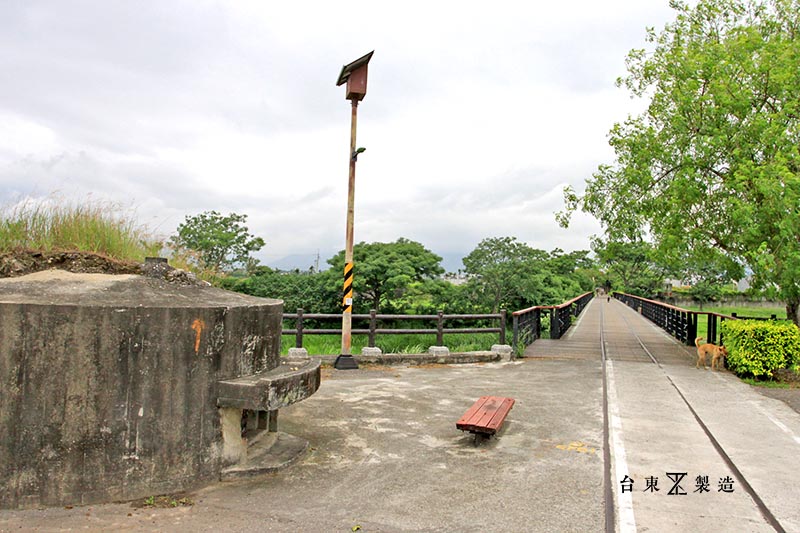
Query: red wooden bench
[486, 415]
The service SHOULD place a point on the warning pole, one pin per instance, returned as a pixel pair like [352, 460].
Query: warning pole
[355, 76]
[345, 360]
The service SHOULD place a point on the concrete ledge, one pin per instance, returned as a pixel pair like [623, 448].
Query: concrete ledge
[297, 353]
[294, 380]
[371, 351]
[418, 359]
[505, 351]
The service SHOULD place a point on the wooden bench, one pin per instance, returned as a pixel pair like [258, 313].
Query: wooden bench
[486, 415]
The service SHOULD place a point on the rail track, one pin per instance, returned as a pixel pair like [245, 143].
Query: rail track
[638, 346]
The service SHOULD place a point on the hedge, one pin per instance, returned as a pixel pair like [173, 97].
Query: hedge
[758, 348]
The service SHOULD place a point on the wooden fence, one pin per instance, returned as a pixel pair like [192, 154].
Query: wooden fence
[373, 319]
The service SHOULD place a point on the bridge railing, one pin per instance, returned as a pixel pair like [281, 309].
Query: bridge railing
[373, 320]
[527, 323]
[678, 322]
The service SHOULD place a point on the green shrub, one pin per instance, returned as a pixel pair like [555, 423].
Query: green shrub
[758, 348]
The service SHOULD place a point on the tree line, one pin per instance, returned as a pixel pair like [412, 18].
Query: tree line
[405, 277]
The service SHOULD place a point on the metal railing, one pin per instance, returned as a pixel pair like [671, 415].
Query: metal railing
[372, 321]
[678, 322]
[527, 323]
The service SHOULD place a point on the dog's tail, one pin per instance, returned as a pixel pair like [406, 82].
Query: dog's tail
[697, 341]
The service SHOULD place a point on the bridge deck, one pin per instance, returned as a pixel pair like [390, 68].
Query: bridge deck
[621, 326]
[655, 431]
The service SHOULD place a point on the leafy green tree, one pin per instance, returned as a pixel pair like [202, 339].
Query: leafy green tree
[578, 267]
[711, 169]
[709, 281]
[704, 292]
[218, 242]
[384, 272]
[508, 274]
[429, 296]
[310, 291]
[501, 269]
[455, 299]
[630, 266]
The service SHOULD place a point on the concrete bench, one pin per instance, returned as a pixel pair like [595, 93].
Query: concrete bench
[292, 381]
[486, 415]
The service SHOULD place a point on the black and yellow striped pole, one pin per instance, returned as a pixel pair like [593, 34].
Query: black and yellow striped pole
[347, 309]
[355, 75]
[347, 301]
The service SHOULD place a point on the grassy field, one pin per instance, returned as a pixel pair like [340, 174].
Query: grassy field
[757, 312]
[57, 225]
[405, 343]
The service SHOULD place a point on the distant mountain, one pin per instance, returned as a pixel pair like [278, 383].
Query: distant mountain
[300, 262]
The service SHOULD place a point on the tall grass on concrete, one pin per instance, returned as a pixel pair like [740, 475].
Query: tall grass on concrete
[54, 225]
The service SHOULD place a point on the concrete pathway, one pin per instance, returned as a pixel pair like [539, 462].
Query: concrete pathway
[671, 421]
[385, 455]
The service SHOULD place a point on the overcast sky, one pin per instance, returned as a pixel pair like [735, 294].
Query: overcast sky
[477, 113]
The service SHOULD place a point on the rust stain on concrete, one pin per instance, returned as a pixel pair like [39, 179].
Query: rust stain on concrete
[198, 326]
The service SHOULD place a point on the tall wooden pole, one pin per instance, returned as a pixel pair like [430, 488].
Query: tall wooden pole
[345, 359]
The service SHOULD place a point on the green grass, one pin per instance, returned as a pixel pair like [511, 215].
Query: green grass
[401, 343]
[54, 224]
[767, 384]
[759, 312]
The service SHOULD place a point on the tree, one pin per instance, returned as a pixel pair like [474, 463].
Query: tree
[501, 268]
[576, 266]
[383, 272]
[507, 273]
[309, 290]
[219, 242]
[630, 266]
[711, 170]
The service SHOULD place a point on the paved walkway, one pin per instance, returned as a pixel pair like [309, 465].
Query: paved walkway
[670, 420]
[385, 454]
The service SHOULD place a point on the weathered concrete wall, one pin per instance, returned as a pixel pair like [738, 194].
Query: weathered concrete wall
[108, 388]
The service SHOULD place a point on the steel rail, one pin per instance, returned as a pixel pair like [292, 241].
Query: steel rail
[766, 513]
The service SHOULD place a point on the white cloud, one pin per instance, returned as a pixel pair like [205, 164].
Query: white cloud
[475, 118]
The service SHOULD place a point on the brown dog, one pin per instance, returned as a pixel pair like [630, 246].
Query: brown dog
[718, 353]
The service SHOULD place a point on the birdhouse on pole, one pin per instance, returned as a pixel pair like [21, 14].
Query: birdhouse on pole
[355, 75]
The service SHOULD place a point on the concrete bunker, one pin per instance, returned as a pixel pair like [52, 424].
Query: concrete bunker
[116, 387]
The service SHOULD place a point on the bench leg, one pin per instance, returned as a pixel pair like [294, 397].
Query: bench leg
[252, 421]
[480, 438]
